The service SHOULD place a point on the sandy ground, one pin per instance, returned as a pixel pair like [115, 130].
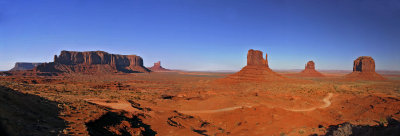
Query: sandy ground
[172, 103]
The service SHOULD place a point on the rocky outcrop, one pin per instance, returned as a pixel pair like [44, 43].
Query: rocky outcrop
[93, 62]
[24, 66]
[392, 128]
[158, 68]
[256, 70]
[364, 69]
[309, 70]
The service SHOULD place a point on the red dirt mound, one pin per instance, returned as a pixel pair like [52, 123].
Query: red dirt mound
[158, 68]
[364, 69]
[309, 70]
[93, 62]
[257, 70]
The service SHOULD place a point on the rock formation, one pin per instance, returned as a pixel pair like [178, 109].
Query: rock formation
[256, 70]
[24, 66]
[309, 70]
[93, 62]
[158, 68]
[364, 69]
[255, 58]
[310, 65]
[364, 64]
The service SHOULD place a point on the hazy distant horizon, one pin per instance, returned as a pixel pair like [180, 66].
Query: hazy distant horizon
[205, 35]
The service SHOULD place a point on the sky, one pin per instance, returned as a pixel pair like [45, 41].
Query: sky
[203, 35]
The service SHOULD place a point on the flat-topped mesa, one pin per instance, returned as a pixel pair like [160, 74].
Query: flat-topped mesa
[309, 70]
[364, 69]
[97, 57]
[93, 62]
[256, 70]
[158, 68]
[24, 66]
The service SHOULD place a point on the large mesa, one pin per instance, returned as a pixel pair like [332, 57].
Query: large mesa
[93, 62]
[309, 70]
[364, 69]
[256, 70]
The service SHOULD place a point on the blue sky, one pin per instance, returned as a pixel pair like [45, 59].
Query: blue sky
[205, 34]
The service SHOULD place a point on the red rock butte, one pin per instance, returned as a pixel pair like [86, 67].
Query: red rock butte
[93, 62]
[364, 69]
[157, 67]
[256, 70]
[309, 70]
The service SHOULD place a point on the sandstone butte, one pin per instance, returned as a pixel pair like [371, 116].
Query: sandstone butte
[256, 70]
[93, 62]
[158, 68]
[309, 70]
[364, 69]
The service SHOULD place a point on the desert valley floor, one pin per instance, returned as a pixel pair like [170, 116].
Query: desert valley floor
[195, 103]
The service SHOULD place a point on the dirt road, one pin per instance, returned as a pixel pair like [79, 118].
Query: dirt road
[326, 104]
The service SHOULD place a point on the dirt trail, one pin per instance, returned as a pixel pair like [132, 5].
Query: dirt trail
[124, 105]
[326, 101]
[217, 110]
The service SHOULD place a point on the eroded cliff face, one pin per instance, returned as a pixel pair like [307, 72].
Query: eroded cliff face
[97, 57]
[93, 62]
[255, 58]
[364, 69]
[364, 64]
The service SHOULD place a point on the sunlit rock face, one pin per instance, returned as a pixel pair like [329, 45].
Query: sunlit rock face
[93, 62]
[364, 64]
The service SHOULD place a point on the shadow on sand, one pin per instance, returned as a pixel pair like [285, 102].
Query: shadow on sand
[346, 129]
[112, 123]
[26, 114]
